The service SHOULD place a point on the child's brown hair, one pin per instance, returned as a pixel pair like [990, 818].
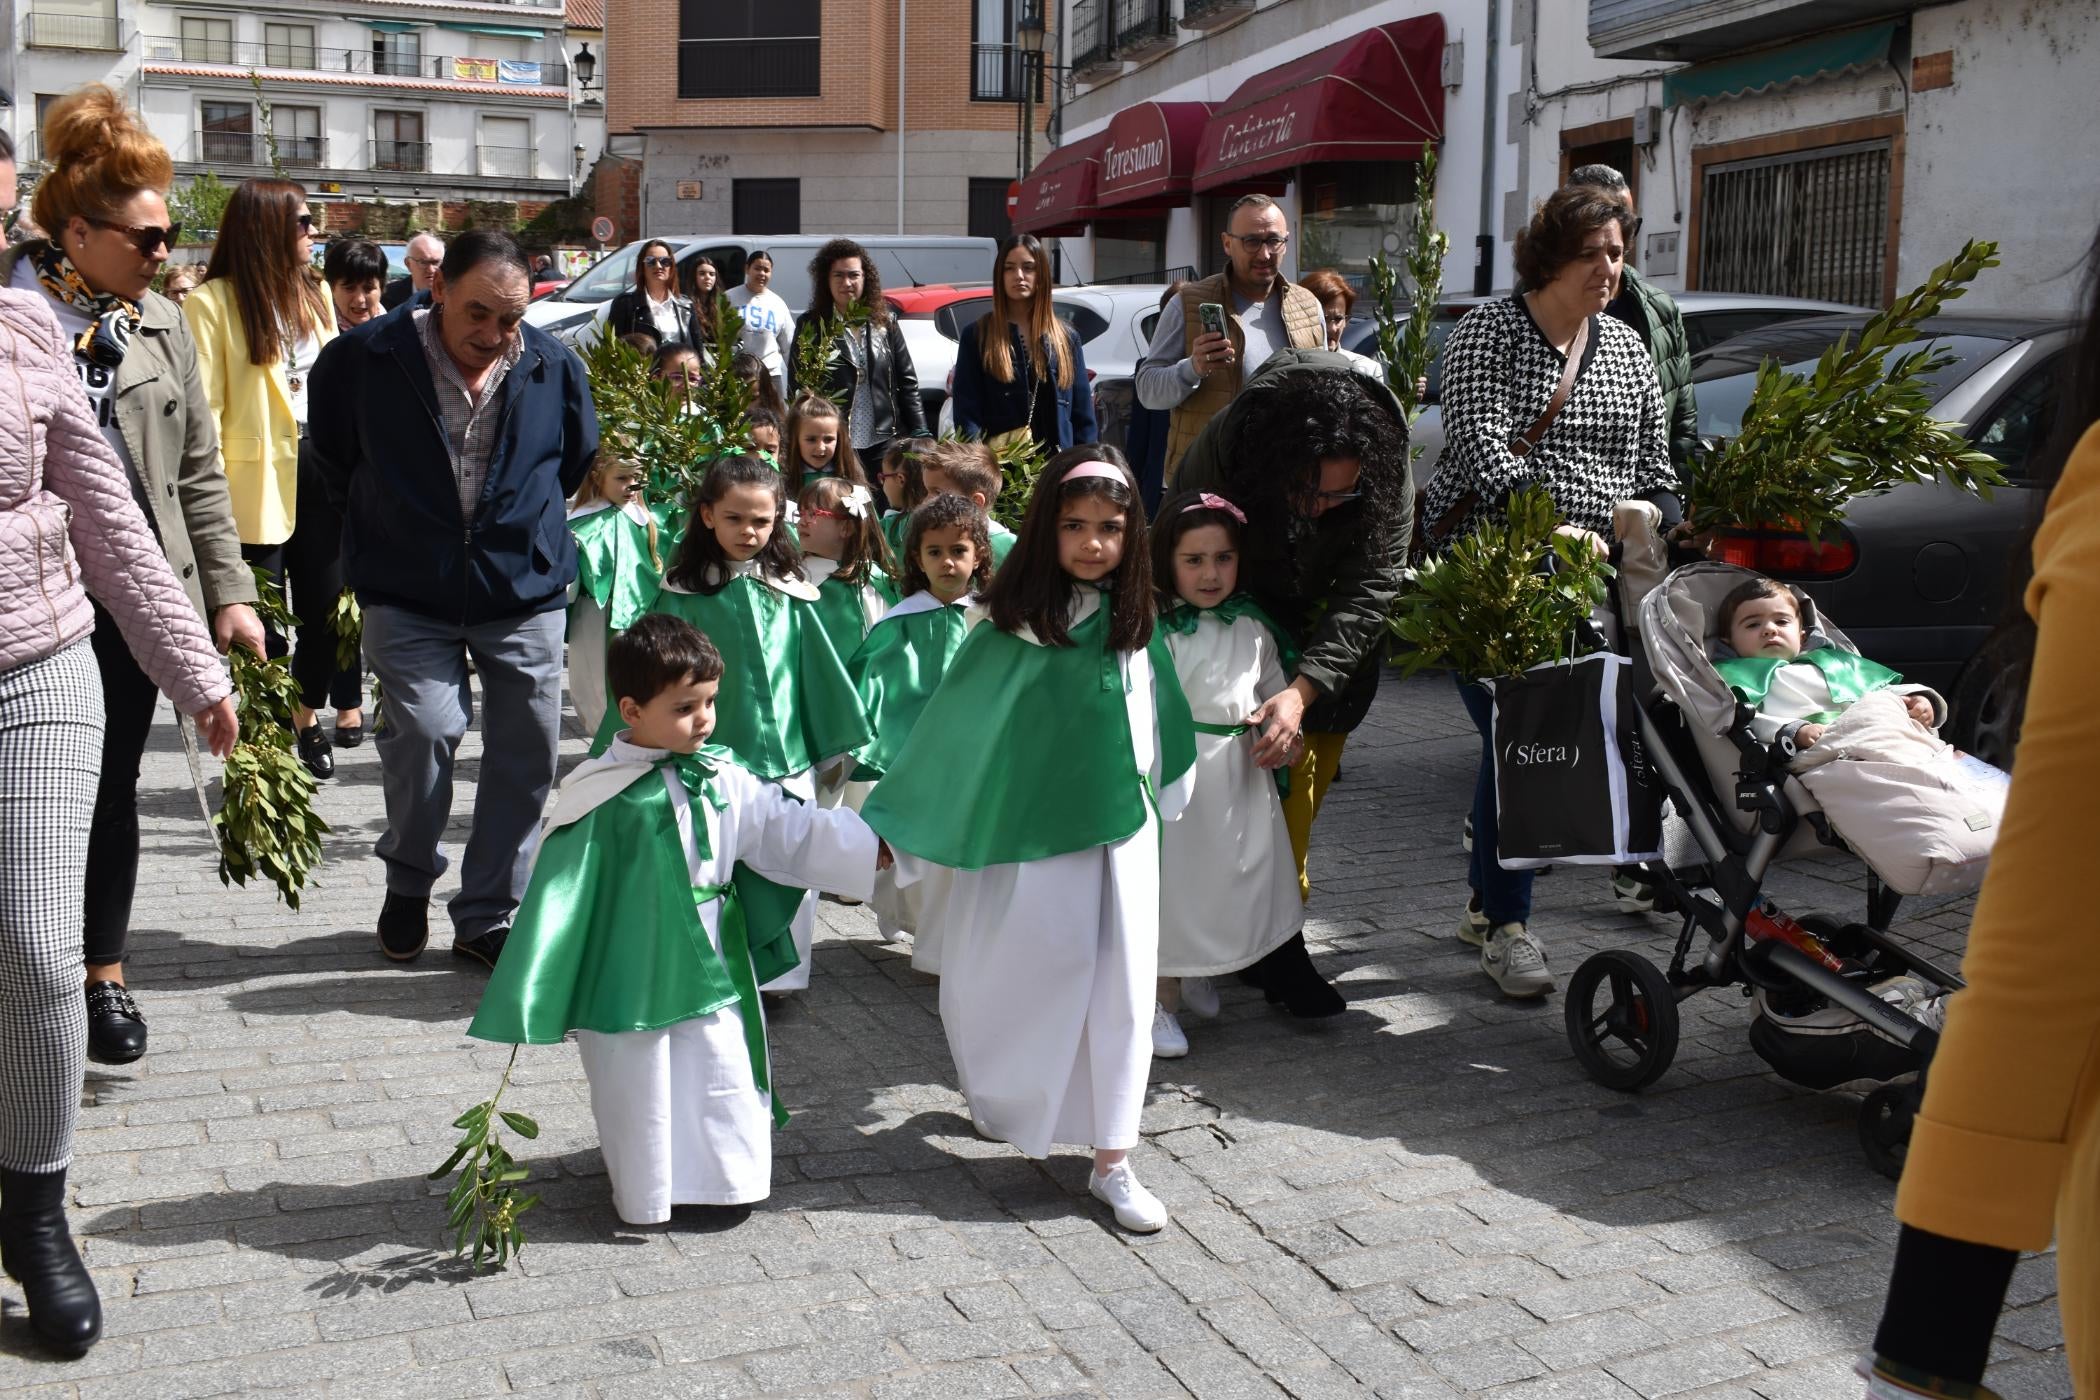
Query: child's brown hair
[1748, 592]
[808, 408]
[970, 467]
[592, 490]
[906, 455]
[867, 552]
[946, 512]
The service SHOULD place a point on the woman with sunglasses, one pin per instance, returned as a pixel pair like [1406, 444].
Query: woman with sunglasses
[654, 304]
[103, 200]
[261, 318]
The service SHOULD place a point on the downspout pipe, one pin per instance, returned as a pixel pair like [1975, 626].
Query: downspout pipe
[1484, 241]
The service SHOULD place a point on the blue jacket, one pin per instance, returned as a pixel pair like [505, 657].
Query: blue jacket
[984, 406]
[377, 434]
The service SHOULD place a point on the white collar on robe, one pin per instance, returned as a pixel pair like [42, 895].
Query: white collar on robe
[819, 568]
[924, 601]
[1086, 602]
[633, 511]
[791, 587]
[597, 781]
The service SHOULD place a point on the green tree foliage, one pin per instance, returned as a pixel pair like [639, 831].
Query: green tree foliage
[1406, 347]
[671, 434]
[200, 206]
[266, 819]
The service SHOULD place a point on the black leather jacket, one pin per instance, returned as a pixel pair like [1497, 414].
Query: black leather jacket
[629, 312]
[899, 411]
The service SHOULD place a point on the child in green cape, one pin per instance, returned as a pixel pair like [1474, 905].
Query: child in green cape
[1027, 801]
[737, 578]
[817, 446]
[1799, 690]
[652, 915]
[900, 665]
[1229, 879]
[845, 555]
[762, 426]
[619, 567]
[969, 470]
[902, 488]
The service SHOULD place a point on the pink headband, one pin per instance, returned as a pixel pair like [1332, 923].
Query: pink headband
[1205, 501]
[1104, 470]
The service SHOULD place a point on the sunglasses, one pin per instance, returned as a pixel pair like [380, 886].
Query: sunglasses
[147, 238]
[305, 222]
[656, 262]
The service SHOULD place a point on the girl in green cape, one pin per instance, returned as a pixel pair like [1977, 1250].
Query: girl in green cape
[619, 567]
[846, 557]
[948, 560]
[1028, 803]
[793, 710]
[816, 446]
[1231, 882]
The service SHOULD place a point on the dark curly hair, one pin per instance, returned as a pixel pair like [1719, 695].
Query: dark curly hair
[837, 250]
[1554, 237]
[1281, 434]
[946, 513]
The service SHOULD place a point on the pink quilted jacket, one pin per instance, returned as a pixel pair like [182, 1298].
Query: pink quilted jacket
[67, 518]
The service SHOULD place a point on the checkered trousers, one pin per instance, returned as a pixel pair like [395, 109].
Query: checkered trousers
[50, 756]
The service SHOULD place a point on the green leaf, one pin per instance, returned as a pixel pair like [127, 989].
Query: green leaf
[521, 1125]
[450, 1163]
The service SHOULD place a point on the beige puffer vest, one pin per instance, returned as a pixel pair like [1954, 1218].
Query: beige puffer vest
[1304, 326]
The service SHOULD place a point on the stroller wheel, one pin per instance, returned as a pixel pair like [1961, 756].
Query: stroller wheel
[1627, 1036]
[1885, 1118]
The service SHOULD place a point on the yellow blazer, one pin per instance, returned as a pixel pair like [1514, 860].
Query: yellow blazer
[2007, 1151]
[258, 437]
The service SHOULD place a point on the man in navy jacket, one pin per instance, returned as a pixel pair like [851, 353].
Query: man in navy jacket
[451, 436]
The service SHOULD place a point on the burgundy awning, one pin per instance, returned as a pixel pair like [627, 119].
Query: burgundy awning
[1058, 197]
[1150, 156]
[1376, 96]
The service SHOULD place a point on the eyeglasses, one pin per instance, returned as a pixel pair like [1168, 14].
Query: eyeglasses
[427, 264]
[147, 238]
[656, 262]
[1262, 242]
[827, 514]
[305, 222]
[1334, 498]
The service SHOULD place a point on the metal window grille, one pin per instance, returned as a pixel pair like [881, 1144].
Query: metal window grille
[1805, 224]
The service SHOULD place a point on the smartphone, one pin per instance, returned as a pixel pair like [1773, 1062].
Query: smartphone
[1212, 317]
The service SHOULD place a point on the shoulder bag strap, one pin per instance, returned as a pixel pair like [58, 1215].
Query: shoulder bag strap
[1522, 444]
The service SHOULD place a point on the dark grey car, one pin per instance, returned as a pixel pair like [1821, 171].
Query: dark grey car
[1925, 578]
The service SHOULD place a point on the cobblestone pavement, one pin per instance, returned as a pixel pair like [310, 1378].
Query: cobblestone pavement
[1421, 1198]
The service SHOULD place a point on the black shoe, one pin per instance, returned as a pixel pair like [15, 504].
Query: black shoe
[404, 926]
[483, 948]
[116, 1031]
[314, 751]
[349, 736]
[37, 1252]
[1288, 976]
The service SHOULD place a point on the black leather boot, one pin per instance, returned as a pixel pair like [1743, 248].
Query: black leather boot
[37, 1252]
[1287, 975]
[116, 1030]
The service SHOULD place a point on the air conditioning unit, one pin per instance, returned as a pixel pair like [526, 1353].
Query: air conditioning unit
[163, 50]
[1647, 125]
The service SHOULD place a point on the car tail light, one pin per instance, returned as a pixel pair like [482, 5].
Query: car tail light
[1092, 375]
[1789, 553]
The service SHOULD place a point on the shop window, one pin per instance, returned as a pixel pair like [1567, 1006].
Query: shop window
[1801, 214]
[1130, 250]
[1350, 210]
[748, 48]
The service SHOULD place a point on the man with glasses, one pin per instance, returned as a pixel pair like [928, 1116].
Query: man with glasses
[1194, 372]
[426, 251]
[1655, 318]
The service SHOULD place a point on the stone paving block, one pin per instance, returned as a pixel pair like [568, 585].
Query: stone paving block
[1486, 1364]
[1210, 1370]
[1456, 1327]
[589, 1362]
[1588, 1340]
[1560, 1301]
[1687, 1366]
[976, 1380]
[1576, 1385]
[730, 1335]
[169, 1383]
[1724, 1309]
[1007, 1337]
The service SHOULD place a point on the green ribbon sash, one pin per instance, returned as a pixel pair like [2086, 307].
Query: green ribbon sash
[1182, 617]
[1847, 674]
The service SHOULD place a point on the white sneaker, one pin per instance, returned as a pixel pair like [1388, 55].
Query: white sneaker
[1516, 963]
[1465, 836]
[1136, 1208]
[1199, 997]
[1632, 894]
[1168, 1043]
[1473, 924]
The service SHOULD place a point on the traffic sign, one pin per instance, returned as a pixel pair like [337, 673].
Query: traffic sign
[602, 229]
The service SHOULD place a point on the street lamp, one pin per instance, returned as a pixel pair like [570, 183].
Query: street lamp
[586, 66]
[1029, 38]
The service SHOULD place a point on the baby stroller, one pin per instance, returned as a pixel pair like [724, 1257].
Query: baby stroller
[1837, 1001]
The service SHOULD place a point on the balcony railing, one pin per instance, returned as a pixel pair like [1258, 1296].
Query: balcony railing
[68, 31]
[408, 157]
[1093, 36]
[999, 71]
[515, 162]
[246, 148]
[1207, 14]
[552, 72]
[1143, 25]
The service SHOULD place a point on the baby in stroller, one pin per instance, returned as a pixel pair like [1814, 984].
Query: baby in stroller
[1796, 692]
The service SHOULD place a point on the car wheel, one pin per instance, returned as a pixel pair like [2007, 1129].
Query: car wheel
[1991, 695]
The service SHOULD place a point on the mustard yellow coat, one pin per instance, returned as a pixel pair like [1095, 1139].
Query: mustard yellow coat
[258, 437]
[2007, 1152]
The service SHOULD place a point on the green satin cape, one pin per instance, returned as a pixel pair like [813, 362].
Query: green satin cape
[839, 610]
[1848, 674]
[1024, 752]
[613, 567]
[786, 703]
[897, 670]
[1181, 620]
[609, 936]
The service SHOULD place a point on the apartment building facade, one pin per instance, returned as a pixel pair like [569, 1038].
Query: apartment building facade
[822, 116]
[386, 99]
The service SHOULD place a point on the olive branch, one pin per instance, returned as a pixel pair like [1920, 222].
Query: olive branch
[1407, 347]
[484, 1204]
[266, 820]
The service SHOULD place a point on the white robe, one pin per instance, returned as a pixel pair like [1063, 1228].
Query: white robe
[1048, 968]
[835, 785]
[1228, 879]
[681, 1120]
[589, 633]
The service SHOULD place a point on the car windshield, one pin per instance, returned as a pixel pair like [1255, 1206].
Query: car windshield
[607, 278]
[1725, 379]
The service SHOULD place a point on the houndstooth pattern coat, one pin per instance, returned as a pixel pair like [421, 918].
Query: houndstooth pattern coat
[1608, 444]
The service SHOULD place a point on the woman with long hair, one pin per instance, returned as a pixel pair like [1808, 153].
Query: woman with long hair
[870, 373]
[103, 198]
[705, 283]
[654, 304]
[2006, 1152]
[261, 318]
[1019, 368]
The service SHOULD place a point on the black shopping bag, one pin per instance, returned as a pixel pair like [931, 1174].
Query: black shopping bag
[1574, 784]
